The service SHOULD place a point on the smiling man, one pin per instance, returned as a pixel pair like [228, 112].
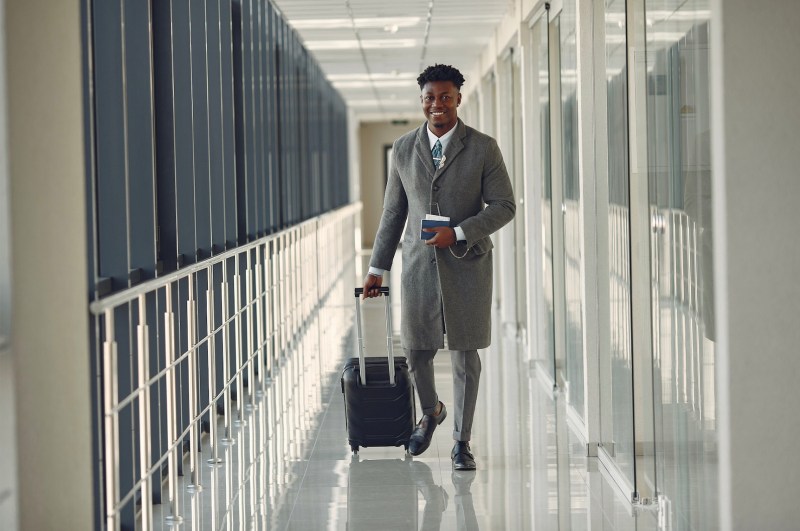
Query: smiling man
[447, 169]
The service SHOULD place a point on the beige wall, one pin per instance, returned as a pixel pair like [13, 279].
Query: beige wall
[50, 329]
[8, 444]
[373, 136]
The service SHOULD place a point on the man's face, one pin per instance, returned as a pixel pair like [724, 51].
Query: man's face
[440, 100]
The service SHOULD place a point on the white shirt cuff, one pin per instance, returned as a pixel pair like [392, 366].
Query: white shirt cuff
[460, 234]
[376, 271]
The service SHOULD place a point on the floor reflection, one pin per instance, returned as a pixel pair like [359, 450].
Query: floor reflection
[418, 501]
[465, 509]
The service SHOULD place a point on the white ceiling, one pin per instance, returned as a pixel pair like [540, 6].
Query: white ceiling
[373, 50]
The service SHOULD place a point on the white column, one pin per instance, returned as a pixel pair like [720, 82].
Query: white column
[755, 58]
[50, 332]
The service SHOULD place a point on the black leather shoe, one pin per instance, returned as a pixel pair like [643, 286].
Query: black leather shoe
[422, 434]
[462, 456]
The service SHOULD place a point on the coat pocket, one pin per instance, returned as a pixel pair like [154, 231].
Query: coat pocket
[483, 246]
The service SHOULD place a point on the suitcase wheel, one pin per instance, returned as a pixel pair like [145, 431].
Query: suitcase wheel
[354, 447]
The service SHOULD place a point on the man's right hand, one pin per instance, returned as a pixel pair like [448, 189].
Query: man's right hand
[371, 286]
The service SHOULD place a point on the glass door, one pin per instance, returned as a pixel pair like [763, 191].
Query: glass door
[565, 26]
[544, 349]
[678, 132]
[613, 171]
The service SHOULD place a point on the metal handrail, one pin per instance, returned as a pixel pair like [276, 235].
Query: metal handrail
[130, 294]
[270, 304]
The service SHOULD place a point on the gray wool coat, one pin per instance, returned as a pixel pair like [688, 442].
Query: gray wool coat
[472, 187]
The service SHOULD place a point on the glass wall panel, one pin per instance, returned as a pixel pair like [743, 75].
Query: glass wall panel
[616, 387]
[681, 240]
[572, 205]
[546, 352]
[520, 236]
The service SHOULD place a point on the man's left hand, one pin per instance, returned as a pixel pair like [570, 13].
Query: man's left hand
[444, 237]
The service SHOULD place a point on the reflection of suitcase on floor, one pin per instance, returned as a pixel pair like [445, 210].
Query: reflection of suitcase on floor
[373, 501]
[378, 402]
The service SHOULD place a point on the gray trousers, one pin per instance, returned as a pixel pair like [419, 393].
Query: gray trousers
[466, 366]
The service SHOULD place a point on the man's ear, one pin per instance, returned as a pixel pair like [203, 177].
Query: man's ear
[458, 101]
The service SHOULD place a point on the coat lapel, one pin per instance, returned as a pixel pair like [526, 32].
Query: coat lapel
[454, 147]
[423, 150]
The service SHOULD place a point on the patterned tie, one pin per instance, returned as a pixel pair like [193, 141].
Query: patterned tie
[437, 153]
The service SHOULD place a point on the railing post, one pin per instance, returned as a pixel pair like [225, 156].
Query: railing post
[212, 372]
[296, 275]
[248, 312]
[226, 356]
[191, 340]
[111, 422]
[173, 456]
[237, 325]
[285, 309]
[262, 365]
[143, 355]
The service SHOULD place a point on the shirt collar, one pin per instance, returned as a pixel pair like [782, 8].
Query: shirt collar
[444, 139]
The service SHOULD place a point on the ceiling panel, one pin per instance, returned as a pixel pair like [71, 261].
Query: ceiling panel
[373, 50]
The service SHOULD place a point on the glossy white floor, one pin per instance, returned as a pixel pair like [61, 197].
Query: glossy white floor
[289, 466]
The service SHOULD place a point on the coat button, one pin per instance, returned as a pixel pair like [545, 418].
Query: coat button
[433, 260]
[435, 188]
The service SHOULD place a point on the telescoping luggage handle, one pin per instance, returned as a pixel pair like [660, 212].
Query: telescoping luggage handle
[389, 344]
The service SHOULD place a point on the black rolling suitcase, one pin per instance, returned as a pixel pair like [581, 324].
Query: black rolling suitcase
[378, 402]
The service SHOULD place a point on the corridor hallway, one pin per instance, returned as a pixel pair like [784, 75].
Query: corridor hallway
[188, 190]
[288, 465]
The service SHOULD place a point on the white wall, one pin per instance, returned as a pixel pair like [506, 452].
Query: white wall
[755, 56]
[48, 263]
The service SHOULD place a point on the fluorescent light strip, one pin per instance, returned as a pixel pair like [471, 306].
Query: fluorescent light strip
[372, 77]
[383, 103]
[402, 83]
[365, 44]
[344, 23]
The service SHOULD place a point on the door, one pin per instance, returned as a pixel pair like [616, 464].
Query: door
[567, 188]
[539, 203]
[681, 236]
[617, 437]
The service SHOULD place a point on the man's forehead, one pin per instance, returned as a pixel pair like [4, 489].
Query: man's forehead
[439, 86]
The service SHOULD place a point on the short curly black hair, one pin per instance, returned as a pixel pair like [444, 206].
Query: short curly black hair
[441, 73]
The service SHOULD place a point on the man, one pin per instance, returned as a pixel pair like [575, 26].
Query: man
[443, 168]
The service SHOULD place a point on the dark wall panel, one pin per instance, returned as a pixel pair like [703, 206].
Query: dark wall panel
[109, 111]
[227, 147]
[215, 132]
[139, 120]
[166, 231]
[211, 126]
[200, 127]
[184, 146]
